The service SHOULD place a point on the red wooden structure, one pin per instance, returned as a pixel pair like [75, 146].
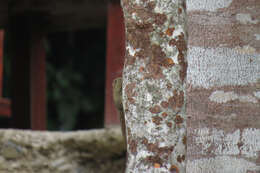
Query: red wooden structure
[27, 108]
[115, 57]
[5, 109]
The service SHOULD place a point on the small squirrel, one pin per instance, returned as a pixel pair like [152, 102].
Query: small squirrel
[117, 97]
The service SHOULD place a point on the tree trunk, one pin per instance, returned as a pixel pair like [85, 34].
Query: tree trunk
[223, 112]
[154, 85]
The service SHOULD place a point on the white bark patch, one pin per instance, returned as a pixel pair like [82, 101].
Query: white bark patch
[207, 5]
[227, 143]
[246, 50]
[214, 67]
[245, 18]
[221, 164]
[257, 36]
[227, 118]
[257, 94]
[165, 6]
[223, 97]
[247, 98]
[131, 50]
[251, 142]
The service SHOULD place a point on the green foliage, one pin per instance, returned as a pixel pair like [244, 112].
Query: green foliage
[75, 79]
[75, 82]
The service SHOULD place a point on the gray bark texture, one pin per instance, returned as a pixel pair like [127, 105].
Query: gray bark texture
[92, 151]
[222, 90]
[223, 93]
[154, 85]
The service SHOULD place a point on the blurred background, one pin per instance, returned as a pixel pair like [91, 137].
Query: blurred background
[59, 61]
[75, 78]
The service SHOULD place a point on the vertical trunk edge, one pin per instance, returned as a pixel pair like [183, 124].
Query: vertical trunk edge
[154, 77]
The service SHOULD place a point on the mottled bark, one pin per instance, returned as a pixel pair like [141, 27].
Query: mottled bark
[154, 85]
[223, 86]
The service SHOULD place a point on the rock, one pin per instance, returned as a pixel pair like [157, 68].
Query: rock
[91, 151]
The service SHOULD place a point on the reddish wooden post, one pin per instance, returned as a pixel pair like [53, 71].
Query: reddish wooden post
[115, 57]
[1, 60]
[38, 83]
[28, 75]
[5, 109]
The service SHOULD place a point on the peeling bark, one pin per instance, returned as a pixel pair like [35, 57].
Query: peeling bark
[154, 95]
[223, 127]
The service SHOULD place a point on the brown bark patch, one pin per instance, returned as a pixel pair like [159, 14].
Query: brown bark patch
[168, 62]
[137, 33]
[178, 119]
[158, 56]
[157, 165]
[129, 89]
[141, 69]
[130, 60]
[133, 146]
[184, 66]
[179, 10]
[154, 160]
[170, 31]
[169, 85]
[174, 169]
[157, 120]
[151, 5]
[128, 131]
[181, 45]
[157, 61]
[240, 144]
[161, 153]
[164, 104]
[169, 124]
[180, 158]
[177, 100]
[132, 143]
[164, 115]
[184, 140]
[140, 54]
[159, 150]
[155, 110]
[203, 111]
[154, 72]
[145, 141]
[160, 19]
[145, 27]
[184, 5]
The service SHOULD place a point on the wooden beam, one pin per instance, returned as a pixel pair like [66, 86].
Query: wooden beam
[28, 74]
[115, 57]
[5, 104]
[38, 83]
[5, 107]
[58, 15]
[3, 13]
[1, 60]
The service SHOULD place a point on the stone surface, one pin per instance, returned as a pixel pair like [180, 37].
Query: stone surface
[62, 152]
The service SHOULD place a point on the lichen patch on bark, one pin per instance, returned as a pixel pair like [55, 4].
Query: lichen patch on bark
[153, 84]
